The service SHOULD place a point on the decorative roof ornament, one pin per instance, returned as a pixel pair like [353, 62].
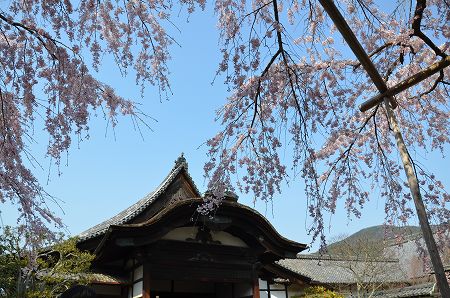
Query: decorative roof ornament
[231, 196]
[181, 160]
[228, 195]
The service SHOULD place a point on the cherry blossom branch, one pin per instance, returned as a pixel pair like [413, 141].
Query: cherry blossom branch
[380, 49]
[33, 32]
[284, 56]
[346, 153]
[256, 11]
[304, 89]
[366, 8]
[258, 89]
[439, 79]
[417, 19]
[3, 119]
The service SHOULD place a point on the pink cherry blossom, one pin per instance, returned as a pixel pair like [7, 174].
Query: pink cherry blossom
[45, 45]
[292, 114]
[296, 114]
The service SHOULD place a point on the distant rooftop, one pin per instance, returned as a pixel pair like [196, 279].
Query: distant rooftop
[422, 290]
[335, 270]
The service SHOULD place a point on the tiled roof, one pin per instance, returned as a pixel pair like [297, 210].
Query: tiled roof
[135, 209]
[93, 277]
[103, 278]
[426, 289]
[331, 270]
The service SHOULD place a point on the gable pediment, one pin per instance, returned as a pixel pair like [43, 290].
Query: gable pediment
[179, 189]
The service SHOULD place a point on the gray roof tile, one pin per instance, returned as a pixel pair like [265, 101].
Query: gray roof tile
[331, 270]
[426, 289]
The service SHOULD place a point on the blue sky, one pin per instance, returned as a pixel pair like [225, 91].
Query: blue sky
[111, 171]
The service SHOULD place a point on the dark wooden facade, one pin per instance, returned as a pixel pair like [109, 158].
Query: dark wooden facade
[161, 247]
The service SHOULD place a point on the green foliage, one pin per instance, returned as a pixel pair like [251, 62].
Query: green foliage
[319, 292]
[11, 263]
[40, 275]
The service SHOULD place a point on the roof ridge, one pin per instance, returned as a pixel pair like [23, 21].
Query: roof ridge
[136, 208]
[181, 162]
[343, 258]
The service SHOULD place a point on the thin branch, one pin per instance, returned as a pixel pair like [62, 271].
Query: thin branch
[417, 19]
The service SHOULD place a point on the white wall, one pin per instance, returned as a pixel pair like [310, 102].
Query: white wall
[181, 234]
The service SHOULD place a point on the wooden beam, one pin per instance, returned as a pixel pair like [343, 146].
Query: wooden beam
[405, 84]
[418, 202]
[355, 46]
[362, 56]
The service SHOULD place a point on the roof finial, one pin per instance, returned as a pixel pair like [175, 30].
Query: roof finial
[181, 160]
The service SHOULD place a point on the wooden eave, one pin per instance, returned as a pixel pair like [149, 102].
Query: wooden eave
[247, 224]
[282, 272]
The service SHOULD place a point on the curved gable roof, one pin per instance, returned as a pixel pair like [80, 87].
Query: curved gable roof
[140, 206]
[245, 220]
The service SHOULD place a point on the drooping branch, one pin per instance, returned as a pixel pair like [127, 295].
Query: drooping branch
[34, 32]
[417, 19]
[383, 47]
[280, 51]
[258, 89]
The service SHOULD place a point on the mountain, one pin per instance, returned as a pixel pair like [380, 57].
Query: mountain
[380, 233]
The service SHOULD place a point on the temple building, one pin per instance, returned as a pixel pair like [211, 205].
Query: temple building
[161, 247]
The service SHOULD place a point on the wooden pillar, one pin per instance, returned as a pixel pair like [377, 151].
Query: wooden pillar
[256, 288]
[255, 276]
[124, 291]
[146, 281]
[413, 183]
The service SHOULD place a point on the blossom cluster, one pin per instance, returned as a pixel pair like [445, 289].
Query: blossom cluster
[294, 106]
[48, 51]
